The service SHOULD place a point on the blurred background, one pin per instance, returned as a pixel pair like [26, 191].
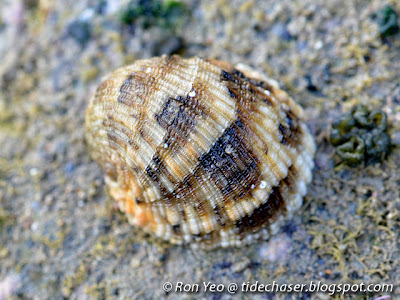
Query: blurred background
[60, 234]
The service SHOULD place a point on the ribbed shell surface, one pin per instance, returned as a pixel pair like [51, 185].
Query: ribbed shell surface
[200, 151]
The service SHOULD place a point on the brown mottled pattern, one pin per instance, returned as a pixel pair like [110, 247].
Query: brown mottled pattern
[178, 118]
[291, 131]
[274, 204]
[241, 87]
[231, 163]
[262, 214]
[197, 150]
[233, 173]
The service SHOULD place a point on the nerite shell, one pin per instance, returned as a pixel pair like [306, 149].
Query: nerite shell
[200, 151]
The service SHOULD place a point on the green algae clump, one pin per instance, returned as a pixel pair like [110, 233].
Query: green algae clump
[167, 14]
[386, 19]
[361, 136]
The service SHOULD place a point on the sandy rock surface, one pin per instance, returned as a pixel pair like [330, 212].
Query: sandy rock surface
[60, 234]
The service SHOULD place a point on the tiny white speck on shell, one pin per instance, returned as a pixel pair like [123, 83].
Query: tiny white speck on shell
[192, 94]
[229, 149]
[263, 184]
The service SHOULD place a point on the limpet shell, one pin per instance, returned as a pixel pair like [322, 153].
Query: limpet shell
[199, 151]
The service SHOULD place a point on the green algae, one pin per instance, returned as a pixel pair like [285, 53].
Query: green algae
[361, 136]
[166, 14]
[386, 19]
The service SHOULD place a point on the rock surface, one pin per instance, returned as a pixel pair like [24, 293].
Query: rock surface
[61, 236]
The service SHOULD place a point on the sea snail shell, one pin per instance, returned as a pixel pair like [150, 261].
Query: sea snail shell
[199, 151]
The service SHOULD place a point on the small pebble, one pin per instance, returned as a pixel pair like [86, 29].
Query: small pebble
[80, 31]
[33, 172]
[396, 138]
[241, 265]
[69, 168]
[35, 226]
[318, 45]
[276, 249]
